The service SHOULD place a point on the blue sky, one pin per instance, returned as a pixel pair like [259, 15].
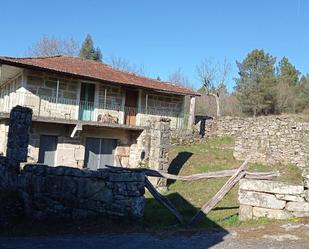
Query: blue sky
[165, 35]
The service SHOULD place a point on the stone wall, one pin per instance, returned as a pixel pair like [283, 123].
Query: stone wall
[160, 105]
[63, 192]
[18, 135]
[185, 137]
[71, 151]
[272, 199]
[270, 139]
[3, 137]
[159, 148]
[66, 192]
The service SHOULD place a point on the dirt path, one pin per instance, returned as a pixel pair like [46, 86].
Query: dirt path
[259, 237]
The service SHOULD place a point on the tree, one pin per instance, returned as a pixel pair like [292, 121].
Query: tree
[88, 51]
[124, 64]
[51, 46]
[302, 93]
[179, 78]
[288, 72]
[213, 77]
[287, 87]
[256, 83]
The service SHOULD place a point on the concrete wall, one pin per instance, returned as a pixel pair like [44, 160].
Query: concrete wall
[274, 200]
[270, 139]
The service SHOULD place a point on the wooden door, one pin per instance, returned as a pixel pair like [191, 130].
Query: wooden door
[107, 152]
[99, 152]
[131, 107]
[92, 153]
[47, 150]
[86, 105]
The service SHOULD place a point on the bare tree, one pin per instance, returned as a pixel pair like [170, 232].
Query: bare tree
[124, 64]
[50, 45]
[213, 76]
[179, 78]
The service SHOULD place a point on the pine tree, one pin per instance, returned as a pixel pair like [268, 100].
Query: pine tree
[288, 72]
[256, 83]
[88, 51]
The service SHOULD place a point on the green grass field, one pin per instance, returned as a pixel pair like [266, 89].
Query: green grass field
[188, 197]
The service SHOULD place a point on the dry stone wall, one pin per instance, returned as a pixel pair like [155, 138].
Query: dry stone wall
[270, 139]
[272, 199]
[63, 192]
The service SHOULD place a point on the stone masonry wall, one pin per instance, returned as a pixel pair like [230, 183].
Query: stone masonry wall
[159, 148]
[270, 139]
[18, 135]
[63, 192]
[274, 200]
[66, 192]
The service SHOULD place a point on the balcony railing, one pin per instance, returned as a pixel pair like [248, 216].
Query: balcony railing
[74, 109]
[61, 108]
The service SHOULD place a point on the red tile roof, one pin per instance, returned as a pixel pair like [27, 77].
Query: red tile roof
[92, 70]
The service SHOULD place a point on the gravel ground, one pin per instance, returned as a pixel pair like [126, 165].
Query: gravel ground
[260, 237]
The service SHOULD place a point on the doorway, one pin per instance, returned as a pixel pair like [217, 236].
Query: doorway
[86, 105]
[47, 150]
[131, 107]
[99, 152]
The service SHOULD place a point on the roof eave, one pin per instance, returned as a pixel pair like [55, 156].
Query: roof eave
[84, 77]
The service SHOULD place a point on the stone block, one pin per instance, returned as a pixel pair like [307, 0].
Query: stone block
[123, 151]
[269, 186]
[271, 213]
[297, 206]
[306, 182]
[79, 154]
[300, 214]
[306, 194]
[245, 212]
[260, 200]
[296, 198]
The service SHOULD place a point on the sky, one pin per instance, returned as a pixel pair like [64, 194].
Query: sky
[165, 35]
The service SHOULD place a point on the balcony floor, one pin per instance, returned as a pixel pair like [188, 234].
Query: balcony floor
[5, 116]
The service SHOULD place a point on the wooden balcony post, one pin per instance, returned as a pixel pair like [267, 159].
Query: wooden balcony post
[191, 113]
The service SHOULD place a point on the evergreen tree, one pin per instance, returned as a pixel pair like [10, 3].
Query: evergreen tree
[302, 91]
[256, 83]
[88, 51]
[288, 72]
[287, 90]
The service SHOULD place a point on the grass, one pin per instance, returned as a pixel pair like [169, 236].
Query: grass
[188, 197]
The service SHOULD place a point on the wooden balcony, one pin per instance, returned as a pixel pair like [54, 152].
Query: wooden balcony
[47, 107]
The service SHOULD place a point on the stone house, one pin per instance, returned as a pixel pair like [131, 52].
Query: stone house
[85, 113]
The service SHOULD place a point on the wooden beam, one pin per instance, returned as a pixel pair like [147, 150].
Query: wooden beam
[163, 200]
[78, 127]
[208, 175]
[208, 206]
